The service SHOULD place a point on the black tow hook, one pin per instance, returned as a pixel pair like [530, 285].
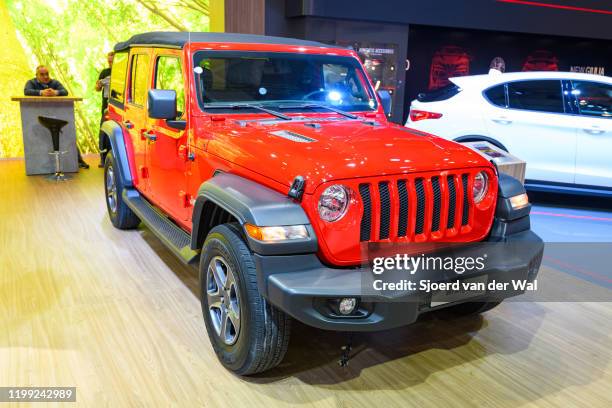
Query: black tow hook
[346, 351]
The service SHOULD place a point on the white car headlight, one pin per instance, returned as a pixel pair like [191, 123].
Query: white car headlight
[481, 185]
[333, 203]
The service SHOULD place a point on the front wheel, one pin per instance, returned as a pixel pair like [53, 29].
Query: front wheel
[248, 334]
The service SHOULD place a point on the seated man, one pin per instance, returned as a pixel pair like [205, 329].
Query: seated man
[43, 85]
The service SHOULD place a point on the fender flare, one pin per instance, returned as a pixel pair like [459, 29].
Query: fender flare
[252, 203]
[116, 137]
[476, 138]
[508, 187]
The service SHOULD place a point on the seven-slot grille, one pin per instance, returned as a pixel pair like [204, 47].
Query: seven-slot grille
[421, 206]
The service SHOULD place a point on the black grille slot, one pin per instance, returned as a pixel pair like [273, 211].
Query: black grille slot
[385, 209]
[437, 203]
[403, 208]
[366, 218]
[466, 201]
[452, 201]
[420, 216]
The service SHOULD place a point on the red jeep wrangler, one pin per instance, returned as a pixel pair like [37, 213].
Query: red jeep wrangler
[270, 162]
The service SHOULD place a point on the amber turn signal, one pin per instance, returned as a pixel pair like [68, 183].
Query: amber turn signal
[276, 233]
[519, 201]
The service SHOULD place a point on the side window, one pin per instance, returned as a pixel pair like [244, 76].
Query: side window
[537, 95]
[118, 74]
[497, 95]
[139, 79]
[169, 75]
[593, 99]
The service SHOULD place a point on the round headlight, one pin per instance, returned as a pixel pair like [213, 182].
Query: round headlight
[333, 203]
[481, 184]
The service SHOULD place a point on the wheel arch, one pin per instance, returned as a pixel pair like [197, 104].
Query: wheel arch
[207, 214]
[480, 138]
[231, 198]
[116, 139]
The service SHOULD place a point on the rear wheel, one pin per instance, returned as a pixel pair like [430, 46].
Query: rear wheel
[120, 214]
[248, 334]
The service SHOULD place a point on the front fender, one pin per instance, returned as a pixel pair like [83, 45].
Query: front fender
[251, 203]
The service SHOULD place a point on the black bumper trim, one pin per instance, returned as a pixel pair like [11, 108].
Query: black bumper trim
[294, 284]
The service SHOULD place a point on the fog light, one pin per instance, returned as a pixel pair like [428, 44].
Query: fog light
[347, 306]
[519, 201]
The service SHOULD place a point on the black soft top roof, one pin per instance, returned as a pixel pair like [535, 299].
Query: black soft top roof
[179, 39]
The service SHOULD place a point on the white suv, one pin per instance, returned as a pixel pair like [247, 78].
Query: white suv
[560, 123]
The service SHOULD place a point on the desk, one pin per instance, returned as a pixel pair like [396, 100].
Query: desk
[37, 140]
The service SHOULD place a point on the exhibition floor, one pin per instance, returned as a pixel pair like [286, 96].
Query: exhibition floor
[116, 315]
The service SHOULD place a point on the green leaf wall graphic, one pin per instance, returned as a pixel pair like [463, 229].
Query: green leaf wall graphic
[72, 38]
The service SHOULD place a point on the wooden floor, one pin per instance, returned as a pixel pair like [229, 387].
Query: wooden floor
[116, 315]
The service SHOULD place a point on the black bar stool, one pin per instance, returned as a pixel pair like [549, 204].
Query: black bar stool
[55, 128]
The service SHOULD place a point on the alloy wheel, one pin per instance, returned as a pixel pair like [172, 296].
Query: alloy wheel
[223, 300]
[111, 189]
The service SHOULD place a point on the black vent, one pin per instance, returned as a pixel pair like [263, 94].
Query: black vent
[366, 219]
[466, 202]
[452, 201]
[420, 216]
[437, 204]
[403, 208]
[385, 209]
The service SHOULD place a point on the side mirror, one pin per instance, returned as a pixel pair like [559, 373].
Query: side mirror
[385, 100]
[162, 104]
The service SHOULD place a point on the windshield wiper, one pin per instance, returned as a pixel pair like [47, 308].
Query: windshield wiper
[316, 105]
[249, 106]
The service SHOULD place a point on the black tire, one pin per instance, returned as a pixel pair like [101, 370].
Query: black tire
[471, 308]
[120, 214]
[262, 338]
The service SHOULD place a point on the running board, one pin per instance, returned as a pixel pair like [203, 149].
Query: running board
[177, 240]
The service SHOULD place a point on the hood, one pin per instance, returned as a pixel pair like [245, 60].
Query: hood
[322, 151]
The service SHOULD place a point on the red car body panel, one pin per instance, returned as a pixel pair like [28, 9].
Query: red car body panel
[342, 245]
[342, 149]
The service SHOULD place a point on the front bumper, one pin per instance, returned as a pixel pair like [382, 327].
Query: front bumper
[300, 284]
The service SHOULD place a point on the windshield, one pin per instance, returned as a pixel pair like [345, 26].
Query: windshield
[281, 80]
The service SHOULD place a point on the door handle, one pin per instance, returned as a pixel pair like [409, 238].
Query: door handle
[128, 124]
[594, 130]
[502, 120]
[151, 137]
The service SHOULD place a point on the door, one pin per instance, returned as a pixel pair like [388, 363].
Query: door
[593, 101]
[135, 118]
[167, 146]
[533, 125]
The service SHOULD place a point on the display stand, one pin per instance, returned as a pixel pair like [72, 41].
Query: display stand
[506, 163]
[37, 143]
